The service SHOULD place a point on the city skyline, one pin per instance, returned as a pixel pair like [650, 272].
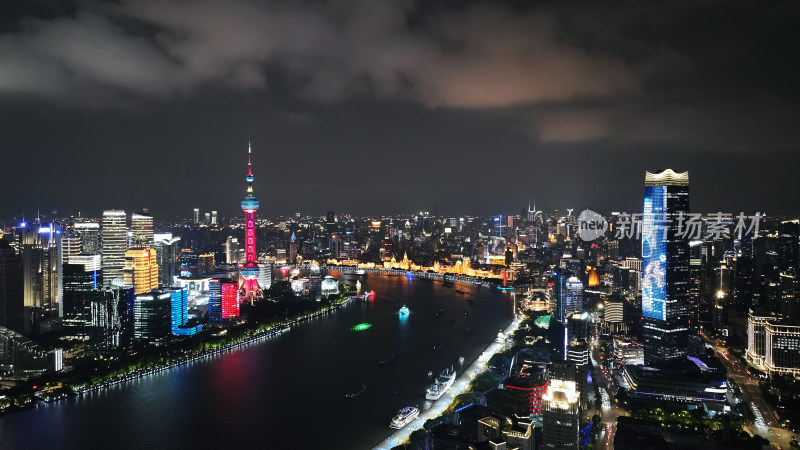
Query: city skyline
[473, 224]
[397, 116]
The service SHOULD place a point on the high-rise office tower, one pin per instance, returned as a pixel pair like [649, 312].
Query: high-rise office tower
[196, 216]
[561, 297]
[90, 237]
[213, 217]
[293, 249]
[111, 316]
[205, 264]
[42, 256]
[229, 300]
[665, 262]
[141, 270]
[142, 228]
[71, 243]
[561, 413]
[114, 239]
[168, 250]
[78, 285]
[12, 299]
[152, 315]
[788, 249]
[788, 267]
[231, 250]
[92, 264]
[223, 299]
[249, 269]
[574, 300]
[179, 309]
[207, 218]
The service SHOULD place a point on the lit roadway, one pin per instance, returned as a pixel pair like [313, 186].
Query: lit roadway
[610, 411]
[460, 386]
[766, 423]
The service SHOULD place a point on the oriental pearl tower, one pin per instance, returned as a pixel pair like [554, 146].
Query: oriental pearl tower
[249, 289]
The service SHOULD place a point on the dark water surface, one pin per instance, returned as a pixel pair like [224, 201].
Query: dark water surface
[288, 392]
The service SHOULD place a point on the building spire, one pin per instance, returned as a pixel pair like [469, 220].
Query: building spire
[249, 162]
[249, 176]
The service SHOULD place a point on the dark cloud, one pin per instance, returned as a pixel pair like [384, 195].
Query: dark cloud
[631, 78]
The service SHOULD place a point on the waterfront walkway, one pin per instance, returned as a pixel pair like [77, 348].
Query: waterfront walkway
[459, 387]
[257, 337]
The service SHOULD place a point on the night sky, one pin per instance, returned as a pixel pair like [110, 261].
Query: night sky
[383, 107]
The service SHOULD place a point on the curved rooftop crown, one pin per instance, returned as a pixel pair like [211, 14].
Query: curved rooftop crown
[666, 178]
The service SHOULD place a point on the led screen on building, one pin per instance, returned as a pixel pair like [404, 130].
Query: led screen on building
[654, 253]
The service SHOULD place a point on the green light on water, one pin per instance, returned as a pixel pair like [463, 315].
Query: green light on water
[362, 326]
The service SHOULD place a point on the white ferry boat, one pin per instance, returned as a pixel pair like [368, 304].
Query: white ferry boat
[441, 385]
[404, 417]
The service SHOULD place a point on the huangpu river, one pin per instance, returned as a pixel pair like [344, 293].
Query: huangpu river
[289, 391]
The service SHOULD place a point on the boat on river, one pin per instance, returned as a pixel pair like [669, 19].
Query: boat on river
[358, 392]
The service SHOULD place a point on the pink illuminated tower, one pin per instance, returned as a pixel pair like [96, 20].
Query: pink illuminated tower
[248, 269]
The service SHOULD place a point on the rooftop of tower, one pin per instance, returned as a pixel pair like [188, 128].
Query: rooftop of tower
[667, 177]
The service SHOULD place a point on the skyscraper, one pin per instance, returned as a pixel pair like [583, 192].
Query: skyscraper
[205, 264]
[79, 282]
[42, 255]
[141, 269]
[168, 250]
[90, 237]
[114, 237]
[71, 243]
[179, 311]
[11, 293]
[231, 250]
[142, 228]
[152, 315]
[196, 216]
[561, 415]
[665, 261]
[293, 249]
[249, 268]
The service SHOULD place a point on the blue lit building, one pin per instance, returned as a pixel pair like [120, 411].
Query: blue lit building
[665, 266]
[179, 312]
[215, 299]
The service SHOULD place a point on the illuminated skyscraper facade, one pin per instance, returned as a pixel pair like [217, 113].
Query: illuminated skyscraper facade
[249, 269]
[41, 252]
[179, 312]
[152, 315]
[141, 270]
[114, 236]
[168, 250]
[90, 237]
[665, 266]
[229, 300]
[561, 415]
[223, 299]
[142, 228]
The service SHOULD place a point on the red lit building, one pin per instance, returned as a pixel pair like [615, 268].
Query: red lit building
[230, 300]
[529, 391]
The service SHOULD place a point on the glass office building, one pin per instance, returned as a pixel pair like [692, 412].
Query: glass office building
[665, 266]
